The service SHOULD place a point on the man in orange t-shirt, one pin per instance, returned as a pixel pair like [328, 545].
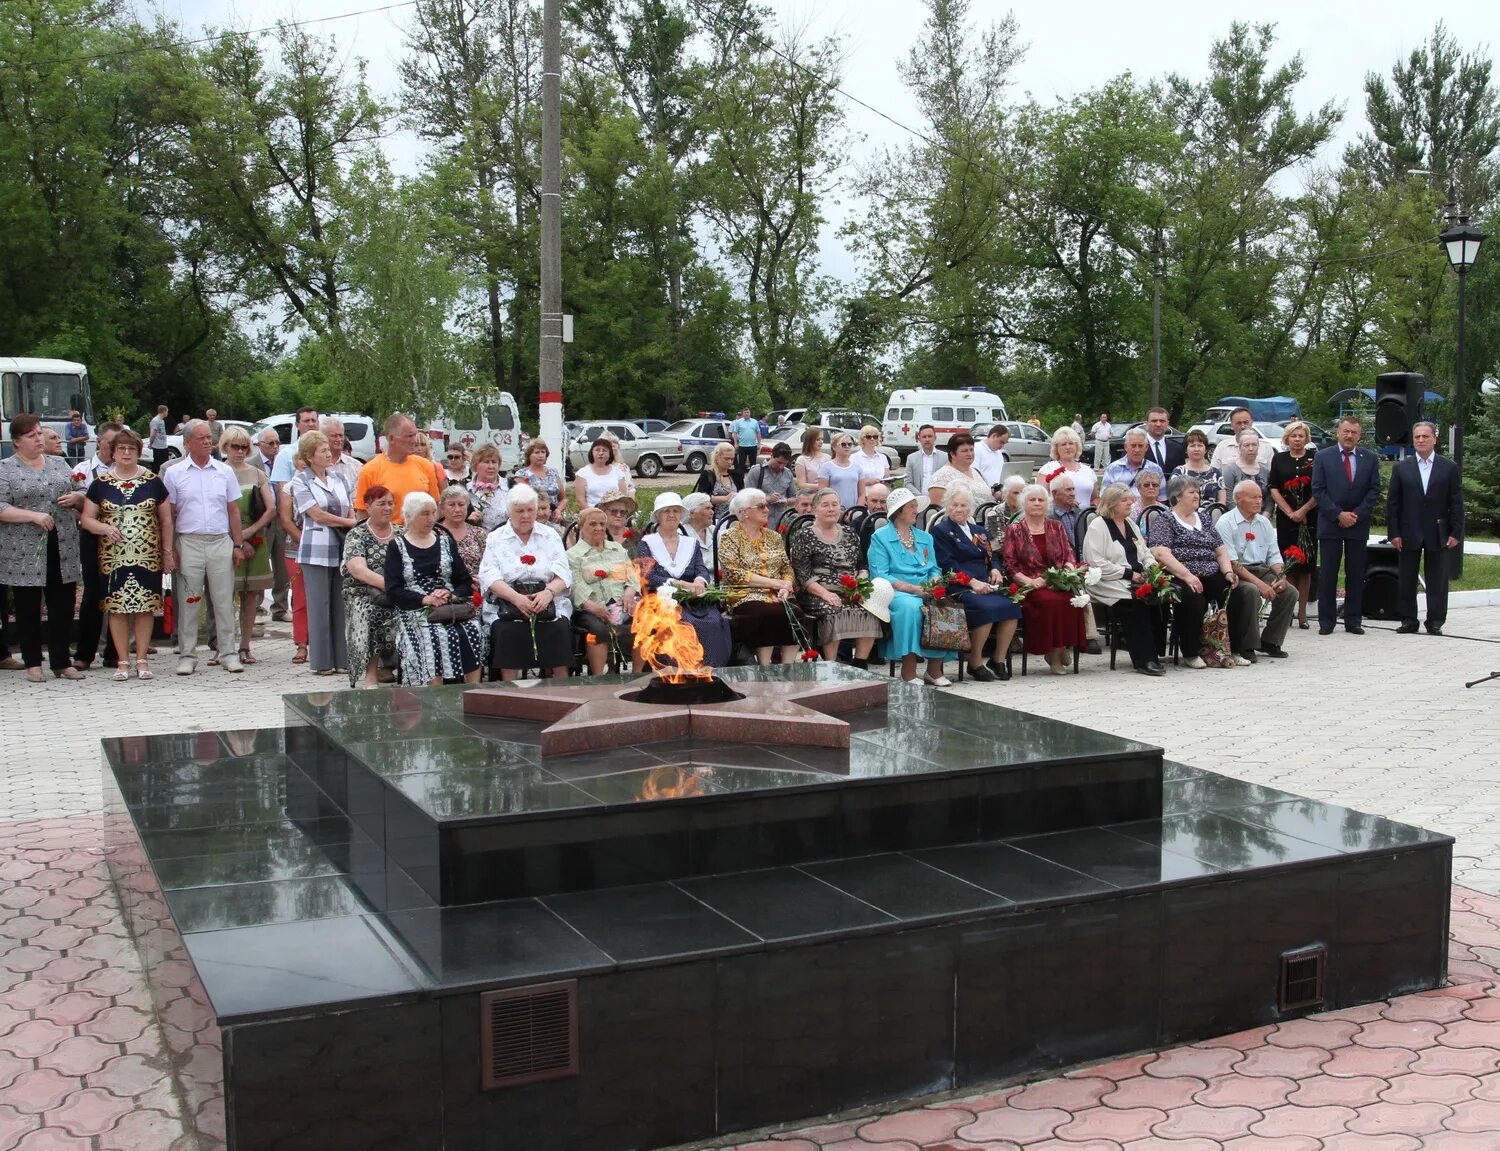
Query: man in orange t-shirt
[397, 468]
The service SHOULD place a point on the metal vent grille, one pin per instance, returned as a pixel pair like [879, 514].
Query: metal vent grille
[1301, 982]
[528, 1034]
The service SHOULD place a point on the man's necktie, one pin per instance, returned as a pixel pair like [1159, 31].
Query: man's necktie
[1160, 459]
[1349, 467]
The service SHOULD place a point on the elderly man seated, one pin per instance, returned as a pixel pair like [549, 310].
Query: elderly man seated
[1128, 468]
[875, 497]
[1250, 541]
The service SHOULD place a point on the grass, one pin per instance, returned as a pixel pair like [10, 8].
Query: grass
[1479, 572]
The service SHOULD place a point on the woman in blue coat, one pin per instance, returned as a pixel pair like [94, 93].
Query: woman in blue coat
[964, 549]
[904, 554]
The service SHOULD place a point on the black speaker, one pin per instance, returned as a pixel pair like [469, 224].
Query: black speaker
[1380, 581]
[1398, 405]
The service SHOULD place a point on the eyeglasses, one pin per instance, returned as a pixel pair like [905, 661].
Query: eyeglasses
[869, 437]
[239, 447]
[454, 456]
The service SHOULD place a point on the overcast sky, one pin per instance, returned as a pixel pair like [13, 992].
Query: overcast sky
[1070, 48]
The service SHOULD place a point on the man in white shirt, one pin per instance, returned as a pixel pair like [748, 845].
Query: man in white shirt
[284, 468]
[1102, 431]
[1228, 449]
[1251, 542]
[343, 463]
[206, 510]
[990, 456]
[924, 463]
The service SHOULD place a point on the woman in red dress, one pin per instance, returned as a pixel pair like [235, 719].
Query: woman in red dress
[1033, 543]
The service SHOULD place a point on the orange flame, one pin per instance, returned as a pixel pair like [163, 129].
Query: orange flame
[671, 783]
[670, 646]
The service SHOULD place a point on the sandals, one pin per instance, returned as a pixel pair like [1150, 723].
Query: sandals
[122, 673]
[301, 654]
[246, 658]
[326, 671]
[142, 671]
[69, 673]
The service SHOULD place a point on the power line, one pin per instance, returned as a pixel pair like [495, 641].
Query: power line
[161, 45]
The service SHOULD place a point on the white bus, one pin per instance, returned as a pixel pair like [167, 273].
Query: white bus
[47, 388]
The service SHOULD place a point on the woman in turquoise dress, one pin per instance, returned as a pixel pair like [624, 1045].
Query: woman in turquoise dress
[906, 556]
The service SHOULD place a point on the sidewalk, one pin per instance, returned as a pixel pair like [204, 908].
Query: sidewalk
[1381, 723]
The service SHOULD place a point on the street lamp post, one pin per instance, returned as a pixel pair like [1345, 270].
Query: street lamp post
[1461, 242]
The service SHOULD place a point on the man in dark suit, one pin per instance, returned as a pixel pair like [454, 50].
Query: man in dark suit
[1424, 515]
[1346, 484]
[1164, 453]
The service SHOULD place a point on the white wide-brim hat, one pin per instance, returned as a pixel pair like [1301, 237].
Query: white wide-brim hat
[666, 500]
[897, 500]
[878, 602]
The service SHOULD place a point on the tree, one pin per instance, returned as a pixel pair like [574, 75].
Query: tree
[772, 147]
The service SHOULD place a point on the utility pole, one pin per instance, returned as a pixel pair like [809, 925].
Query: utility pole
[1156, 323]
[550, 368]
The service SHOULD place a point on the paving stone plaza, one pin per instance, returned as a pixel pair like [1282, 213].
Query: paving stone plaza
[1380, 723]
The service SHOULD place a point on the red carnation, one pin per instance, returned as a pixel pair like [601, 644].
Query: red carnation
[528, 560]
[193, 599]
[1249, 535]
[963, 578]
[857, 598]
[478, 598]
[600, 573]
[809, 655]
[627, 534]
[1014, 589]
[848, 580]
[1143, 591]
[939, 592]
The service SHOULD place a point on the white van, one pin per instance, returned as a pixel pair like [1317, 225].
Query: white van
[477, 419]
[949, 410]
[359, 431]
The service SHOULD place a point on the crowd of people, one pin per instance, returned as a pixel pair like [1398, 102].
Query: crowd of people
[429, 571]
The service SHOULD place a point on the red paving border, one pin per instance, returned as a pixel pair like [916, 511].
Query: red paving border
[86, 1060]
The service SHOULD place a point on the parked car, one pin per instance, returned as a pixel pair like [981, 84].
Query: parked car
[645, 454]
[845, 419]
[1029, 447]
[359, 432]
[1321, 437]
[1225, 430]
[649, 426]
[792, 434]
[697, 438]
[174, 443]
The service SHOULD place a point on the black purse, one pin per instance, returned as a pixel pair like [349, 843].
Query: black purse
[509, 611]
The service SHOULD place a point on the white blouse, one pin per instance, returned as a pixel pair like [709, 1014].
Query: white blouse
[596, 487]
[502, 561]
[674, 566]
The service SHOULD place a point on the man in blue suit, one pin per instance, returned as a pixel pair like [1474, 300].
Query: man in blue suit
[1346, 484]
[1424, 515]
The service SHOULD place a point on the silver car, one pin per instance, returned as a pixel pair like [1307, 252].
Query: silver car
[645, 454]
[1029, 447]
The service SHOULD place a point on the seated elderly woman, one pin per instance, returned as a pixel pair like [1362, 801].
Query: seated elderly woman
[618, 508]
[369, 620]
[905, 555]
[963, 548]
[526, 577]
[423, 570]
[1113, 543]
[757, 580]
[821, 553]
[606, 588]
[1006, 508]
[1199, 562]
[1034, 543]
[699, 511]
[671, 556]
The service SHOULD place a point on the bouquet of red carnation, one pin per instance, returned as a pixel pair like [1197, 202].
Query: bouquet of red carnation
[854, 589]
[1016, 592]
[1295, 558]
[937, 586]
[1157, 586]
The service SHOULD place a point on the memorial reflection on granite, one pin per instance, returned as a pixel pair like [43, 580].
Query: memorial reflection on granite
[784, 931]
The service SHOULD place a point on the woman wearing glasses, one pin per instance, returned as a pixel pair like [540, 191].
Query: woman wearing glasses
[873, 466]
[455, 465]
[252, 577]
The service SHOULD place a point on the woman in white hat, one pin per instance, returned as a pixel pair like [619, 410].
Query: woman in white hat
[904, 554]
[673, 556]
[824, 551]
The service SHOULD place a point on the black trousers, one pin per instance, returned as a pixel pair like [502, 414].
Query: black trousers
[1137, 620]
[1434, 563]
[90, 615]
[745, 458]
[1191, 608]
[1354, 553]
[59, 627]
[159, 457]
[5, 633]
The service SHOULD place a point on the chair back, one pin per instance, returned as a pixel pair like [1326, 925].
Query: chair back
[1148, 517]
[797, 524]
[1214, 512]
[1080, 529]
[868, 527]
[570, 533]
[852, 516]
[929, 516]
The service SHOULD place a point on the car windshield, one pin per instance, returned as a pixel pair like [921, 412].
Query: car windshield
[680, 428]
[1269, 431]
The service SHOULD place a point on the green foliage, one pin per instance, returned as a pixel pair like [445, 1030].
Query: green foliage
[1482, 467]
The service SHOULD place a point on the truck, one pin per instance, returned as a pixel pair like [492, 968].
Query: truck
[1270, 409]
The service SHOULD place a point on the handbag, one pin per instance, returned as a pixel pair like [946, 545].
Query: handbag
[459, 611]
[508, 611]
[945, 627]
[1215, 642]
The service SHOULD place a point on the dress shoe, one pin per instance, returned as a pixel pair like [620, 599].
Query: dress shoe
[282, 616]
[1152, 668]
[1093, 648]
[937, 681]
[186, 665]
[1272, 650]
[1000, 668]
[980, 674]
[1194, 662]
[1325, 631]
[1354, 629]
[1407, 629]
[1239, 661]
[1432, 630]
[231, 663]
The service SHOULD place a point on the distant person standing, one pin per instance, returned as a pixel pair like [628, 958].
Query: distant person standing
[157, 439]
[1077, 425]
[76, 436]
[1102, 431]
[1346, 484]
[215, 429]
[1424, 515]
[746, 431]
[398, 469]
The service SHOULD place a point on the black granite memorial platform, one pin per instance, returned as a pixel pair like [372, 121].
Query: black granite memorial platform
[413, 930]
